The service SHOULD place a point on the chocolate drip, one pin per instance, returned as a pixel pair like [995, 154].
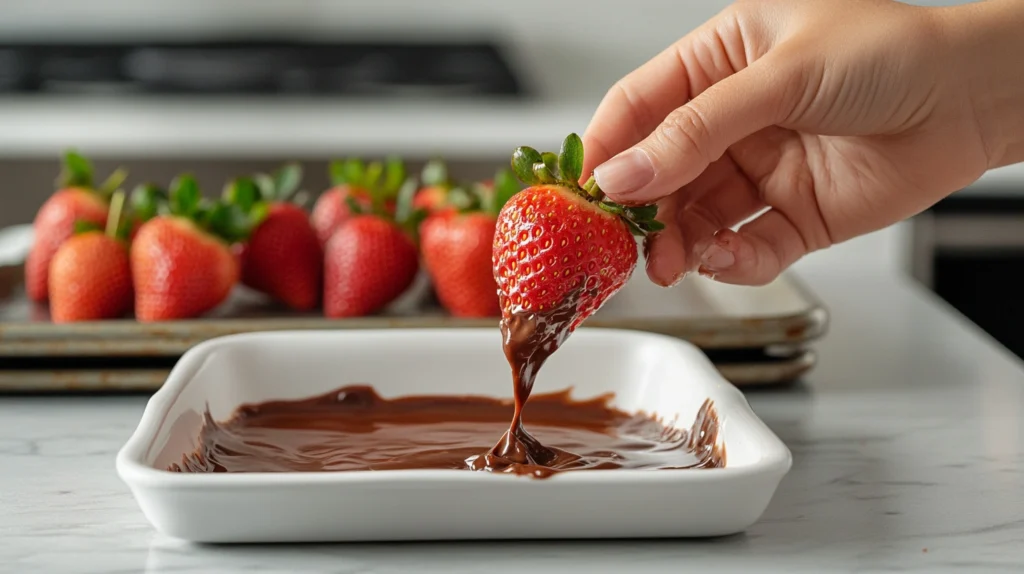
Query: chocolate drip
[528, 339]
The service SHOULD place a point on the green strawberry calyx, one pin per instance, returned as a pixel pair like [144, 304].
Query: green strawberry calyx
[486, 198]
[281, 186]
[78, 172]
[146, 199]
[435, 174]
[253, 195]
[380, 181]
[229, 221]
[406, 215]
[565, 169]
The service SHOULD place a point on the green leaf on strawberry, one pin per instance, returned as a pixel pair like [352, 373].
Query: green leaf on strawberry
[435, 173]
[228, 221]
[551, 164]
[406, 214]
[565, 169]
[374, 171]
[231, 218]
[77, 171]
[379, 181]
[465, 200]
[83, 226]
[570, 158]
[146, 200]
[185, 199]
[505, 186]
[287, 180]
[245, 192]
[523, 160]
[394, 173]
[347, 172]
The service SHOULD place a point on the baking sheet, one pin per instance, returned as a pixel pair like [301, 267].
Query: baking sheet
[709, 314]
[755, 336]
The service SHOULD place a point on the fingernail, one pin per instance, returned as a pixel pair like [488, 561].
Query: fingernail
[717, 258]
[625, 173]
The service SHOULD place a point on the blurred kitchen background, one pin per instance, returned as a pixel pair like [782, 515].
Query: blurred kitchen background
[222, 87]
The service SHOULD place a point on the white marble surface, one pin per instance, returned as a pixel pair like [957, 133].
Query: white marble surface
[908, 444]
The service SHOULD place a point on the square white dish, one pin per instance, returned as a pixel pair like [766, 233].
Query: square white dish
[652, 373]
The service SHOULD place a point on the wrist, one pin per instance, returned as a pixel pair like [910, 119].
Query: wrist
[986, 45]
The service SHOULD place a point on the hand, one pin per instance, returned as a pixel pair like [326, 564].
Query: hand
[832, 117]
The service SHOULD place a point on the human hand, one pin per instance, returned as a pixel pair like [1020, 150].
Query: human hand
[836, 117]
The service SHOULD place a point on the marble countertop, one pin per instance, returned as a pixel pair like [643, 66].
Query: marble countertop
[908, 445]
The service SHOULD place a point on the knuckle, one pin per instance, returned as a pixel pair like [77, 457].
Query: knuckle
[639, 109]
[684, 131]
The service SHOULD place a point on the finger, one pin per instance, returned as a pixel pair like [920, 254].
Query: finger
[695, 135]
[721, 197]
[637, 103]
[757, 253]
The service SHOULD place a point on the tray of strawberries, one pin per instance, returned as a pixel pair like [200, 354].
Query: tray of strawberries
[117, 285]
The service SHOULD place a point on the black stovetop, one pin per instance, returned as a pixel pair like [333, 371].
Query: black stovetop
[260, 68]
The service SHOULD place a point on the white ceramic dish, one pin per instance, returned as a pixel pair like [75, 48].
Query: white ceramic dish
[653, 373]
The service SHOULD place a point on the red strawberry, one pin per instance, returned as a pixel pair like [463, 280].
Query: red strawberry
[369, 262]
[78, 200]
[560, 246]
[90, 276]
[362, 183]
[372, 259]
[283, 257]
[457, 252]
[431, 199]
[182, 264]
[433, 196]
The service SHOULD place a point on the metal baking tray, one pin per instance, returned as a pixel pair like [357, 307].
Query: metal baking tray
[709, 314]
[771, 325]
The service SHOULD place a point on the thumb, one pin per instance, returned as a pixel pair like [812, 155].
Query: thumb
[700, 132]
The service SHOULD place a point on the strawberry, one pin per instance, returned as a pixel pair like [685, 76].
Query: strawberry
[76, 200]
[283, 257]
[559, 247]
[372, 258]
[90, 277]
[360, 182]
[457, 249]
[182, 264]
[433, 196]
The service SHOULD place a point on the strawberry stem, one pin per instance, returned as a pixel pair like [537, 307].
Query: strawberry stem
[114, 215]
[113, 182]
[593, 190]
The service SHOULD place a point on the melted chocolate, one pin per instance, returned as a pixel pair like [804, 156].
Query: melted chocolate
[528, 339]
[355, 429]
